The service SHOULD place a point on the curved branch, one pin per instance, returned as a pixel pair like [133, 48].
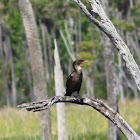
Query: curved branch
[108, 28]
[96, 104]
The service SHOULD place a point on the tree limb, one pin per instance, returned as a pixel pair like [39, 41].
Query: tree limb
[108, 28]
[67, 46]
[96, 104]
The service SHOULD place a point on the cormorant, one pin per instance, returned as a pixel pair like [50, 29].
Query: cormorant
[74, 80]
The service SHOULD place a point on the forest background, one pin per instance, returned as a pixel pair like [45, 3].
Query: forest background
[76, 36]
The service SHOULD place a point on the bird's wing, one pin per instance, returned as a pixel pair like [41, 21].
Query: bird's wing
[69, 79]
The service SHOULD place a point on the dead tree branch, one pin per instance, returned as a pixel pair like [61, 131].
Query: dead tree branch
[108, 28]
[96, 104]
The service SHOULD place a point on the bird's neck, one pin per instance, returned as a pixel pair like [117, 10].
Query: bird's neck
[78, 69]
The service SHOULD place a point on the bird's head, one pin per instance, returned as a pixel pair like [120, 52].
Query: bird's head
[77, 64]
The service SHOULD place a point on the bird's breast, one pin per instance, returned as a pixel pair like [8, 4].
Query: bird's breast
[77, 77]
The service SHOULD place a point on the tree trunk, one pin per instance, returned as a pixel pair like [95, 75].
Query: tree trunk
[111, 85]
[99, 35]
[76, 41]
[92, 87]
[8, 44]
[89, 84]
[4, 70]
[92, 36]
[68, 35]
[59, 90]
[40, 87]
[29, 79]
[79, 20]
[43, 28]
[120, 78]
[110, 78]
[50, 51]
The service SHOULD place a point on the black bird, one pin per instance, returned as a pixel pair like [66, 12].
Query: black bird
[74, 80]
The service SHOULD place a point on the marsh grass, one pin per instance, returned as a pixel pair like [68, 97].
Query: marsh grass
[83, 122]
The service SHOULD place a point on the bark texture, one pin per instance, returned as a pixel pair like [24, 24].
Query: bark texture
[111, 80]
[59, 90]
[28, 73]
[96, 104]
[108, 28]
[40, 87]
[50, 51]
[43, 28]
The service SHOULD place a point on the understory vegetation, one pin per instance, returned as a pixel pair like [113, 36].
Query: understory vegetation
[82, 122]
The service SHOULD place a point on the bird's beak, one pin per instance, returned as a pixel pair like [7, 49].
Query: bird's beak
[84, 62]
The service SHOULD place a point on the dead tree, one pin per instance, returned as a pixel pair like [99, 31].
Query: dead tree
[96, 104]
[111, 77]
[4, 70]
[59, 90]
[108, 28]
[40, 87]
[7, 44]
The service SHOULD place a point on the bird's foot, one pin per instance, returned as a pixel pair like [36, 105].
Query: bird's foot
[79, 97]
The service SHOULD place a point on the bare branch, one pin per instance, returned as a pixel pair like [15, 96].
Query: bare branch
[67, 46]
[96, 104]
[108, 28]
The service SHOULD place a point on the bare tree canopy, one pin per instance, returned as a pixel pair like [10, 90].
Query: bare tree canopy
[108, 28]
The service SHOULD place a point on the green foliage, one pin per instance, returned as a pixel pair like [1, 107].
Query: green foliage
[86, 52]
[118, 23]
[128, 26]
[99, 89]
[87, 46]
[135, 12]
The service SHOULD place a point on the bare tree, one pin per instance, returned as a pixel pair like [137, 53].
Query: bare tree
[68, 35]
[40, 87]
[43, 28]
[59, 90]
[29, 79]
[108, 28]
[4, 70]
[79, 20]
[9, 49]
[120, 78]
[49, 48]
